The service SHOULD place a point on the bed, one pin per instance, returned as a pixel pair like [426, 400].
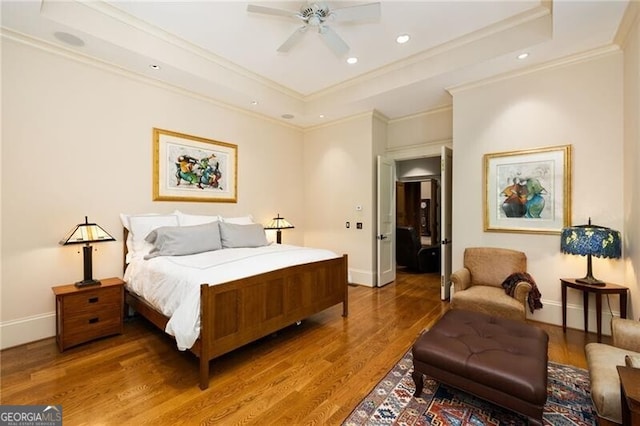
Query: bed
[240, 310]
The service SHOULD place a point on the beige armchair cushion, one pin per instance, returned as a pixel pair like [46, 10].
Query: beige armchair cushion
[602, 360]
[478, 285]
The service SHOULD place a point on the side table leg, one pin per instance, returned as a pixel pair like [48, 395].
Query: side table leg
[599, 315]
[585, 310]
[564, 307]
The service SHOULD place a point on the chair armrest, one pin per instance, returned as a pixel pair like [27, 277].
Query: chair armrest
[522, 291]
[626, 334]
[461, 279]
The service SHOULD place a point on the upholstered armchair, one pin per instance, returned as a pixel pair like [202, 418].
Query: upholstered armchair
[478, 285]
[602, 360]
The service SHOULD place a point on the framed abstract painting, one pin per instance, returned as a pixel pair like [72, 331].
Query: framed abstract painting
[191, 168]
[528, 191]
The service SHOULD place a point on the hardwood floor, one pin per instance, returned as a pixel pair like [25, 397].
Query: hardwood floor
[314, 373]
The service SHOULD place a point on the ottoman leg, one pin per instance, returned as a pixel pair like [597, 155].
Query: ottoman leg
[417, 379]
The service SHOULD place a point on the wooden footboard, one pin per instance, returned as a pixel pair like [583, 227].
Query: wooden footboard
[241, 311]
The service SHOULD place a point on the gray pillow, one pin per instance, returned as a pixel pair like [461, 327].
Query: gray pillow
[183, 240]
[236, 236]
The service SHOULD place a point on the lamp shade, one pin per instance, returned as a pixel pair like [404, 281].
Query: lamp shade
[85, 233]
[591, 240]
[278, 223]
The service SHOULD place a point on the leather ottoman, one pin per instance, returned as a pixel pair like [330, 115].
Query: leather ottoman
[497, 359]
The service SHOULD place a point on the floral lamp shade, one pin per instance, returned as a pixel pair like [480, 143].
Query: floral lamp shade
[591, 240]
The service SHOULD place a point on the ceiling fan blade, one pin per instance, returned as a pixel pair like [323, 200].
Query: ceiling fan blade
[358, 13]
[271, 11]
[293, 39]
[334, 41]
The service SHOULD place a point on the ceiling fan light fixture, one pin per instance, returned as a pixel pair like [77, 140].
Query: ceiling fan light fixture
[352, 60]
[402, 38]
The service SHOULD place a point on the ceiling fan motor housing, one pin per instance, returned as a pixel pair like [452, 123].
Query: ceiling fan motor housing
[314, 14]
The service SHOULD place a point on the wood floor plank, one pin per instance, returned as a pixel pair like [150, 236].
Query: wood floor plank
[314, 373]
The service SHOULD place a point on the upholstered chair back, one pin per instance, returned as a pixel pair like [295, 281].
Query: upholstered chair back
[491, 266]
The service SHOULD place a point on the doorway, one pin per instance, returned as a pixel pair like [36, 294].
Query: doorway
[417, 205]
[417, 224]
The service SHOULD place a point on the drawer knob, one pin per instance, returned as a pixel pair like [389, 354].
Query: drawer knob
[93, 299]
[93, 320]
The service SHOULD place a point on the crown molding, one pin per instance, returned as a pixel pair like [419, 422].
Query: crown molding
[438, 110]
[629, 20]
[559, 63]
[528, 16]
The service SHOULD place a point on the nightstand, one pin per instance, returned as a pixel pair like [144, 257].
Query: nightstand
[87, 313]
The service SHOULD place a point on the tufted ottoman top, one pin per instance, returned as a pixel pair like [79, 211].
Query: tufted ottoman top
[507, 355]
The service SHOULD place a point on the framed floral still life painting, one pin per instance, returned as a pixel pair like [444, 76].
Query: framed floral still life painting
[191, 168]
[528, 191]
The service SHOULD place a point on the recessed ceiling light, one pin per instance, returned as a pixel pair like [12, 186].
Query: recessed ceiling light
[523, 55]
[154, 66]
[254, 102]
[69, 39]
[352, 60]
[287, 116]
[402, 39]
[321, 116]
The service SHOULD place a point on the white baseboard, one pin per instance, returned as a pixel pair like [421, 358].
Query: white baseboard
[26, 330]
[551, 313]
[361, 277]
[38, 327]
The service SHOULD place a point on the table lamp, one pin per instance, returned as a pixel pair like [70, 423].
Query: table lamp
[591, 240]
[86, 233]
[278, 223]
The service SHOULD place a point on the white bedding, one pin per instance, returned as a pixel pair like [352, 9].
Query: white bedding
[172, 283]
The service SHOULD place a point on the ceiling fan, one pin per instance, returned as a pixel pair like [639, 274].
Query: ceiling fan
[315, 15]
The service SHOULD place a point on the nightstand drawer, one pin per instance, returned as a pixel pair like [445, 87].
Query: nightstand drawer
[83, 328]
[103, 300]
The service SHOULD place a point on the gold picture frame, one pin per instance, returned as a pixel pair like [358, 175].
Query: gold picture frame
[192, 168]
[528, 191]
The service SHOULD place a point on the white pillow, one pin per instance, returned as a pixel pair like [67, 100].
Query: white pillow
[193, 219]
[139, 227]
[240, 220]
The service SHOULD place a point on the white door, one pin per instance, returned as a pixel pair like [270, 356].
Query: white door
[446, 160]
[385, 236]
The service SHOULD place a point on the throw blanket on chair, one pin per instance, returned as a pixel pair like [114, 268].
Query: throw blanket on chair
[509, 285]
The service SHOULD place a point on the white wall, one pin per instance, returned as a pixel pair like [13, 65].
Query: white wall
[76, 141]
[631, 179]
[579, 104]
[338, 175]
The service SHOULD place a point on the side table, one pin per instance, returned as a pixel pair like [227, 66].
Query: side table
[629, 395]
[598, 290]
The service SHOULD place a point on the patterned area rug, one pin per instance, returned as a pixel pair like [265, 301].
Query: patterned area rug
[391, 402]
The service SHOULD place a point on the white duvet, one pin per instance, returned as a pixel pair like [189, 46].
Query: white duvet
[172, 283]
